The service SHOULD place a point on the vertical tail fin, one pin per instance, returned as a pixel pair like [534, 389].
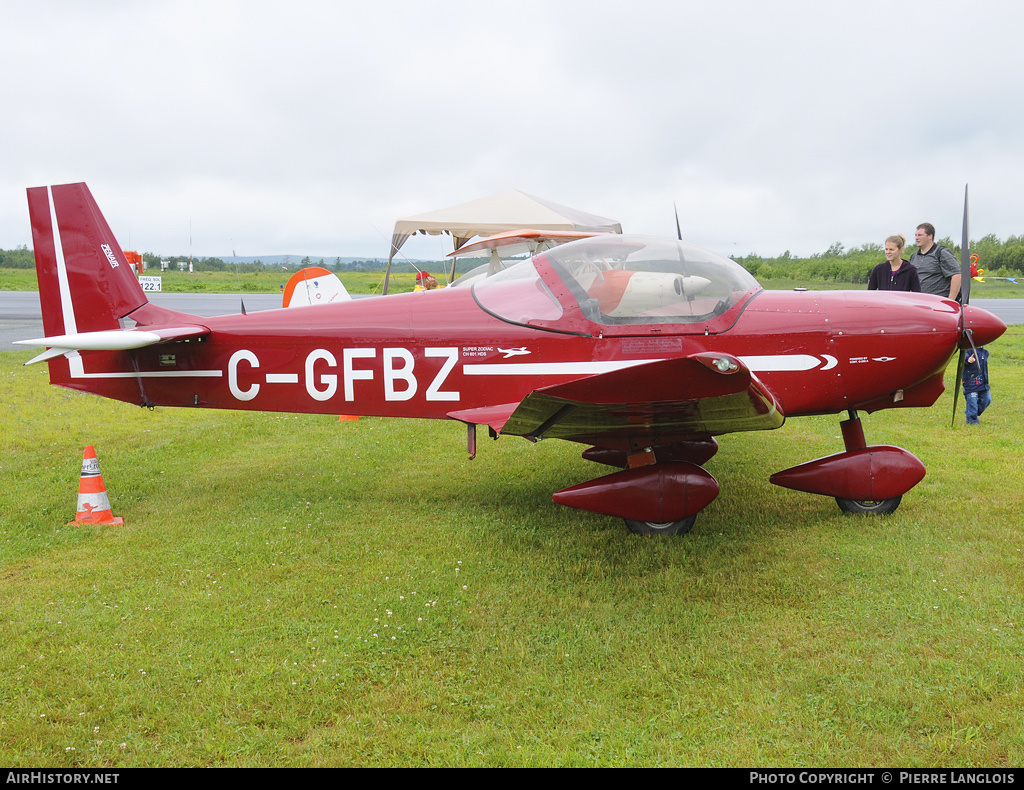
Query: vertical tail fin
[85, 282]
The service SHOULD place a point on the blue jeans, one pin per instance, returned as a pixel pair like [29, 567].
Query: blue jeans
[977, 402]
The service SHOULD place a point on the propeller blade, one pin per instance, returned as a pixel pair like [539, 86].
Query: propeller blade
[965, 258]
[969, 334]
[965, 295]
[679, 230]
[958, 384]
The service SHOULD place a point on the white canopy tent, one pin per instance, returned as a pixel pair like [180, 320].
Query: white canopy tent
[510, 210]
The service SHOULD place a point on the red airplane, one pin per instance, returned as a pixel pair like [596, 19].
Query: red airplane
[643, 349]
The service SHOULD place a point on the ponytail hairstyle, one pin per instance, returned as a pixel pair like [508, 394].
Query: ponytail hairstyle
[899, 241]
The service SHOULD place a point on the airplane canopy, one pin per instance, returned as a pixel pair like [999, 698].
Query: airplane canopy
[510, 210]
[617, 280]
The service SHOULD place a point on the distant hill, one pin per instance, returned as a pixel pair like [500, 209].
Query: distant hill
[337, 262]
[294, 260]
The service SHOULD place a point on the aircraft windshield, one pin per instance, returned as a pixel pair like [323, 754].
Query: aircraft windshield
[640, 280]
[516, 294]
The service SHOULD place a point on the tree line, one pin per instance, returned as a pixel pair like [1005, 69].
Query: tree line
[290, 263]
[23, 258]
[20, 258]
[997, 258]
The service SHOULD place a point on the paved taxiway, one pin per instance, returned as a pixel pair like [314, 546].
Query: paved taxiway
[20, 318]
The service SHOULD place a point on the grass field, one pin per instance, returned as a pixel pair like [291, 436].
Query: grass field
[297, 591]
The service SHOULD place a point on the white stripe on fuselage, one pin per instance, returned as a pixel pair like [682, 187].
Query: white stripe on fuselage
[785, 362]
[793, 363]
[78, 372]
[552, 368]
[756, 364]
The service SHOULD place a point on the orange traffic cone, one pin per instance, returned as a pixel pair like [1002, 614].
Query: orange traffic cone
[93, 502]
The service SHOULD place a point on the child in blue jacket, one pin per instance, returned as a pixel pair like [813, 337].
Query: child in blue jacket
[977, 394]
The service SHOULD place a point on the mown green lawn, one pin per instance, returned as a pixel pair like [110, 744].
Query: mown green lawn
[293, 590]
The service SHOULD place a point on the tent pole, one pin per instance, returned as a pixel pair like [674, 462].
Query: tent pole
[387, 276]
[458, 245]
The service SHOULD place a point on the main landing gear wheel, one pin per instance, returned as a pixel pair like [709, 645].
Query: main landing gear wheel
[869, 507]
[680, 527]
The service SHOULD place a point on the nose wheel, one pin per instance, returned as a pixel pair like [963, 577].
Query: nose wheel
[680, 527]
[868, 480]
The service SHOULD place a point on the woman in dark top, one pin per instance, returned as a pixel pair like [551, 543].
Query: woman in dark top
[894, 274]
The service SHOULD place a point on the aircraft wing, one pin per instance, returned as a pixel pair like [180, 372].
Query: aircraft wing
[514, 242]
[658, 402]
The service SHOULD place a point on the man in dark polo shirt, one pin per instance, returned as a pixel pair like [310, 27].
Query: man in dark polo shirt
[936, 266]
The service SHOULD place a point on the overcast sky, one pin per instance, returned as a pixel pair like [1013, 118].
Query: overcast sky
[309, 126]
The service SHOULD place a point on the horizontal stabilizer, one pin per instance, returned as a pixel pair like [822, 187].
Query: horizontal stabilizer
[111, 340]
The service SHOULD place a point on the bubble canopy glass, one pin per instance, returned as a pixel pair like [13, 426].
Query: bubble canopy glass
[618, 279]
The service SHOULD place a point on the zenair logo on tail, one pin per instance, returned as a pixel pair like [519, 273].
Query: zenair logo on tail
[110, 255]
